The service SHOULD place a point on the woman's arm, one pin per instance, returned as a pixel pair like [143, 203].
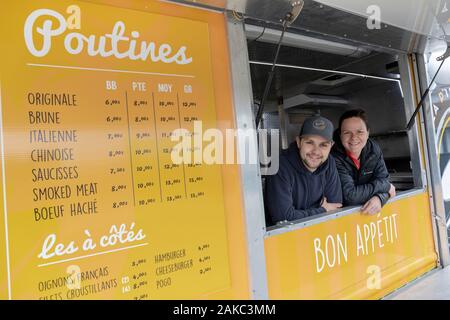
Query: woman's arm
[359, 194]
[384, 197]
[380, 177]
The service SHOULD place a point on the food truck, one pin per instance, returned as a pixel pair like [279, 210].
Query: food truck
[135, 134]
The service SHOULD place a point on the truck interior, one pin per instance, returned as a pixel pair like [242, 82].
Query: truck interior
[315, 76]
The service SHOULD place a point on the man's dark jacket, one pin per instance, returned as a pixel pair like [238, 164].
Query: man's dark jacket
[372, 179]
[295, 192]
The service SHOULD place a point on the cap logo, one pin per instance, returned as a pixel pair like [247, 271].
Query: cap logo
[319, 124]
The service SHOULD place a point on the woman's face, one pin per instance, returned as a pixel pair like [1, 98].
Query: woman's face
[354, 135]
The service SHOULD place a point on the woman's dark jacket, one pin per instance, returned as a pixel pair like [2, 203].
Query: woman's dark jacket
[372, 179]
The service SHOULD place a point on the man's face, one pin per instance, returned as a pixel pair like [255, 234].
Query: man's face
[314, 151]
[354, 135]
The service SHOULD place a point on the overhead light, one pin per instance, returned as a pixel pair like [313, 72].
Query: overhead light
[314, 99]
[362, 75]
[333, 71]
[300, 41]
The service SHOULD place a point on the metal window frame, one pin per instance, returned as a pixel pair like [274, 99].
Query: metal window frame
[432, 165]
[418, 167]
[409, 71]
[250, 174]
[320, 218]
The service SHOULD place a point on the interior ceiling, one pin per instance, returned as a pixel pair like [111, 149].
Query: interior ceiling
[325, 21]
[322, 21]
[292, 82]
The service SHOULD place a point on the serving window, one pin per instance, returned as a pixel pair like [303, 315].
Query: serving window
[309, 82]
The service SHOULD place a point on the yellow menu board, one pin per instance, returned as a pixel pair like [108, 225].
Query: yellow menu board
[94, 205]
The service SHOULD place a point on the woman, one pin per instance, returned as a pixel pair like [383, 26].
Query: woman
[359, 160]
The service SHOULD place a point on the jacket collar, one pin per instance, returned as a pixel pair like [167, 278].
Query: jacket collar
[370, 150]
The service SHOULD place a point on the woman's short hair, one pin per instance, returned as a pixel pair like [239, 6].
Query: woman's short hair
[354, 113]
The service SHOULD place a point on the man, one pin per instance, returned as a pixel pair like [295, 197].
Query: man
[307, 182]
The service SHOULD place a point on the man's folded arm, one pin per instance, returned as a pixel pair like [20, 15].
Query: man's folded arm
[279, 200]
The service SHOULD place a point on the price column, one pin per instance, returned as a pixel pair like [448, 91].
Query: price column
[167, 120]
[204, 259]
[136, 283]
[193, 115]
[116, 137]
[144, 153]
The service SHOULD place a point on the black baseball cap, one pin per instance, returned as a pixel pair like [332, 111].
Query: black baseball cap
[317, 125]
